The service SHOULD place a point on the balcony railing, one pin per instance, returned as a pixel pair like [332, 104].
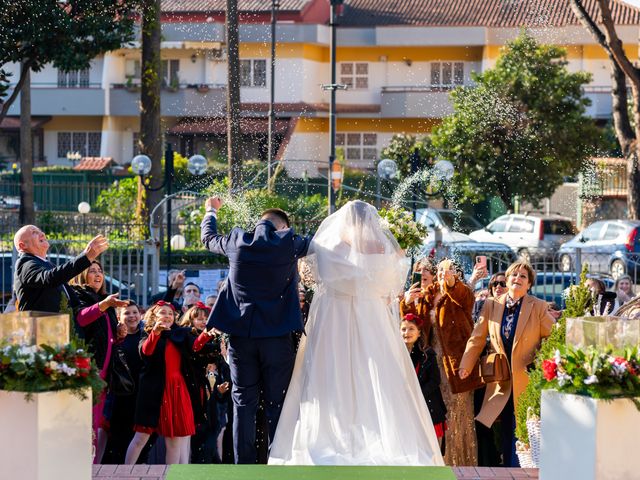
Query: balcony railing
[418, 101]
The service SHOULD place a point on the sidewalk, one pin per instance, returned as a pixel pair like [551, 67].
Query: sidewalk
[157, 472]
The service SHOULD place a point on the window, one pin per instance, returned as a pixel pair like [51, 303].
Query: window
[612, 232]
[355, 75]
[73, 78]
[592, 232]
[360, 148]
[521, 225]
[557, 227]
[253, 73]
[170, 72]
[447, 74]
[136, 145]
[85, 143]
[133, 69]
[498, 226]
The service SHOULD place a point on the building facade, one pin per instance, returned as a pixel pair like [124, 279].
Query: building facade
[399, 59]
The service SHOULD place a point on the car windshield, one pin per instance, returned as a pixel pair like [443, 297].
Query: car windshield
[460, 222]
[557, 227]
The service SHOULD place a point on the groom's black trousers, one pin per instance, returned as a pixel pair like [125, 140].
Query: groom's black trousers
[257, 364]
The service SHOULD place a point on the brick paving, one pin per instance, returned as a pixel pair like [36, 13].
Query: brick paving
[157, 472]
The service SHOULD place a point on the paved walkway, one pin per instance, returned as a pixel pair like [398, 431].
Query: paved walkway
[157, 472]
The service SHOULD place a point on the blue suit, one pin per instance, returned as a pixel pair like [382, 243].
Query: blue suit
[259, 308]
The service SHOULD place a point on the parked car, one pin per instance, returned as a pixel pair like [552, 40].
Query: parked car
[532, 236]
[12, 203]
[465, 250]
[608, 246]
[452, 220]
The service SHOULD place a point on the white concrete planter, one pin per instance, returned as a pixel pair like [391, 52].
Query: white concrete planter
[47, 438]
[588, 439]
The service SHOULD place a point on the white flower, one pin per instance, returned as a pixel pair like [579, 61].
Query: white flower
[557, 357]
[590, 380]
[563, 378]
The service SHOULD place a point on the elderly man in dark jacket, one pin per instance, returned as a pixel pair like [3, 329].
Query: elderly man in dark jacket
[38, 284]
[259, 309]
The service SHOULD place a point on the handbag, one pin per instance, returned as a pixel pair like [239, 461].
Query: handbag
[121, 380]
[494, 367]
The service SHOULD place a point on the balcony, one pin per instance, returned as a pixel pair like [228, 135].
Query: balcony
[206, 100]
[415, 102]
[54, 100]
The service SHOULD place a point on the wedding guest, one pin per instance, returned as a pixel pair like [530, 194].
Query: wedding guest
[190, 296]
[173, 293]
[96, 316]
[423, 357]
[210, 301]
[203, 443]
[623, 289]
[167, 401]
[414, 300]
[602, 302]
[40, 286]
[488, 451]
[516, 323]
[123, 406]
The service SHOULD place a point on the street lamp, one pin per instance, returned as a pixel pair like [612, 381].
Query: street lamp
[83, 209]
[141, 166]
[387, 169]
[332, 87]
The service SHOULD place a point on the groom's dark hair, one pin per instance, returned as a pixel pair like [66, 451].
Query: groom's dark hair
[276, 214]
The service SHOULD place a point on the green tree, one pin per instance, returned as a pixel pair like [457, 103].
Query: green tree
[521, 129]
[66, 34]
[401, 148]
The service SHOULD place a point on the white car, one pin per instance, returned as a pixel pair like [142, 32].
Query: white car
[531, 236]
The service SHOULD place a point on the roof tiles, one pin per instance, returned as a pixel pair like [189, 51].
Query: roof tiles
[468, 13]
[221, 5]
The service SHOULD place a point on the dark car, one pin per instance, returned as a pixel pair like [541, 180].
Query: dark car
[465, 250]
[609, 247]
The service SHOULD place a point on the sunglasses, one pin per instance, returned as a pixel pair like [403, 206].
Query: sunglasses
[503, 284]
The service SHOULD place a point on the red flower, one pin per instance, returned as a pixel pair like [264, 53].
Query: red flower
[47, 371]
[83, 363]
[549, 368]
[57, 357]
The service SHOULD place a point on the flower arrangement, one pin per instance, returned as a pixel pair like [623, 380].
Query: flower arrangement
[594, 373]
[408, 233]
[32, 369]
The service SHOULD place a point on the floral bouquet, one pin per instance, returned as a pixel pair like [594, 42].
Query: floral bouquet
[594, 373]
[408, 233]
[32, 369]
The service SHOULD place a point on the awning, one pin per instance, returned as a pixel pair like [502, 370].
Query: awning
[218, 126]
[13, 123]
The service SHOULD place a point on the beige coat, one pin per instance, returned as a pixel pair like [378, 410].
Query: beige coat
[534, 324]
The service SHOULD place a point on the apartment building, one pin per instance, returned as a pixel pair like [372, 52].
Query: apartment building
[399, 59]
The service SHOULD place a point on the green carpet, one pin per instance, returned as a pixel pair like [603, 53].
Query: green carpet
[273, 472]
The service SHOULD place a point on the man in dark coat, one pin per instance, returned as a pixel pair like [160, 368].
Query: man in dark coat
[259, 309]
[38, 284]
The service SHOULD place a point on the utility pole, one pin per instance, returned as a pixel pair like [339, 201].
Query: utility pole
[233, 96]
[275, 4]
[333, 86]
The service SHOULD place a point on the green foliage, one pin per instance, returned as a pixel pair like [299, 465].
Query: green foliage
[578, 298]
[44, 368]
[67, 34]
[594, 373]
[4, 83]
[50, 224]
[524, 119]
[119, 201]
[401, 148]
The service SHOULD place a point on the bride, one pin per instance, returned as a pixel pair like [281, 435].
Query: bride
[354, 398]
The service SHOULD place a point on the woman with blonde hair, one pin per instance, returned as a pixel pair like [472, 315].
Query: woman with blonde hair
[516, 323]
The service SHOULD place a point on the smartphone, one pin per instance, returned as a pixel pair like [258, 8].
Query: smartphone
[416, 278]
[481, 261]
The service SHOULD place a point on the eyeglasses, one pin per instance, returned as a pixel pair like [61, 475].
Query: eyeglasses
[94, 271]
[503, 284]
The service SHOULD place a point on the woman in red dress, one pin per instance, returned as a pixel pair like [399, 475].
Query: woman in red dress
[167, 400]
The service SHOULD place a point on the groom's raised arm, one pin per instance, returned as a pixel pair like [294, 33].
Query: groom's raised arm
[211, 239]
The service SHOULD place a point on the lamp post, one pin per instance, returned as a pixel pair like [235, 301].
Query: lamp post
[73, 157]
[141, 166]
[275, 4]
[332, 87]
[83, 209]
[387, 169]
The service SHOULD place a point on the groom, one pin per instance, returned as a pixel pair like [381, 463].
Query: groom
[259, 309]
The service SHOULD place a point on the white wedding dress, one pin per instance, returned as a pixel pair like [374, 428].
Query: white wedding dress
[354, 398]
